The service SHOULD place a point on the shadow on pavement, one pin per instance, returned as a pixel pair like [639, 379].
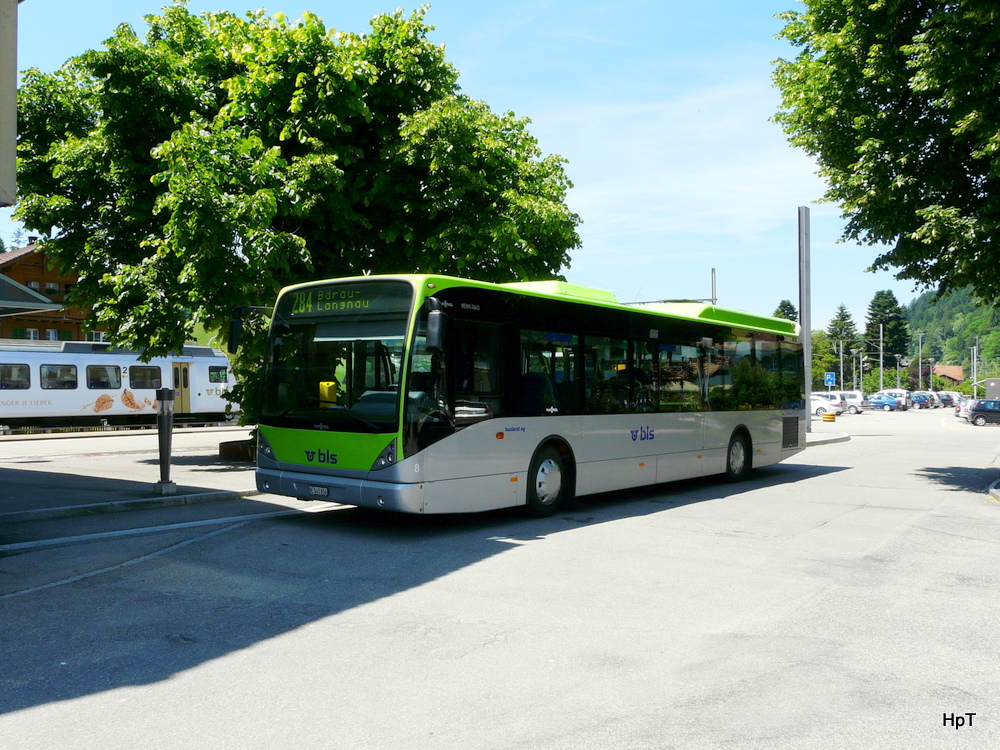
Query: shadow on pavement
[191, 601]
[960, 478]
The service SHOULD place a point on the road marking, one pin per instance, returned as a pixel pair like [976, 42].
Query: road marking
[97, 536]
[235, 523]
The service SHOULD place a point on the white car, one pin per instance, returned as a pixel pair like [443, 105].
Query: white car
[856, 401]
[962, 410]
[820, 406]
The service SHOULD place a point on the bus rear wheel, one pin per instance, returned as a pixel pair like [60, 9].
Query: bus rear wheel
[547, 482]
[738, 458]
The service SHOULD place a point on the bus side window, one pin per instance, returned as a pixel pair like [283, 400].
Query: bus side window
[609, 377]
[475, 361]
[549, 382]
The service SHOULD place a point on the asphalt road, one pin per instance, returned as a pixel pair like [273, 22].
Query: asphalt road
[843, 600]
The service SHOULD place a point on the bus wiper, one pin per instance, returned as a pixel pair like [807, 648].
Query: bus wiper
[302, 402]
[360, 420]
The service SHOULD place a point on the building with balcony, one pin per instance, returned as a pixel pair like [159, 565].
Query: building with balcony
[33, 299]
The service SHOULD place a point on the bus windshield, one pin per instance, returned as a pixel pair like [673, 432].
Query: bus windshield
[335, 356]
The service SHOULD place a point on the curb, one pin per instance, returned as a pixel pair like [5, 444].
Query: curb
[120, 506]
[841, 437]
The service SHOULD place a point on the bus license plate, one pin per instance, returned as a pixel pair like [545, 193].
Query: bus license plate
[319, 491]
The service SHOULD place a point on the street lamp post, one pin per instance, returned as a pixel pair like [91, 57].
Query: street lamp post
[854, 367]
[898, 357]
[841, 381]
[920, 361]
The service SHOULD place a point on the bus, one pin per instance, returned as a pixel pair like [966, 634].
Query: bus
[433, 394]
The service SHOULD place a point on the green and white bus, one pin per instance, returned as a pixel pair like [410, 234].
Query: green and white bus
[431, 394]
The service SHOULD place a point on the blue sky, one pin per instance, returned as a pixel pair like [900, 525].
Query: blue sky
[661, 108]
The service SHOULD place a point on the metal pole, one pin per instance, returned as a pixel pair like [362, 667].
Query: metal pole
[920, 361]
[164, 430]
[805, 307]
[881, 356]
[8, 102]
[975, 374]
[841, 383]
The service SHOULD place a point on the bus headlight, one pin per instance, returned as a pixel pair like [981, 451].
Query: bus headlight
[386, 458]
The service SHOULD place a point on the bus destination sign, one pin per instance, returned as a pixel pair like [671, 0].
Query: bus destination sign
[347, 299]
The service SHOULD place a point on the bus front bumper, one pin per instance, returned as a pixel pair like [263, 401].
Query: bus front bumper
[364, 493]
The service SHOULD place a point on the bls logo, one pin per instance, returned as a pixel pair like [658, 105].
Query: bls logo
[643, 433]
[324, 457]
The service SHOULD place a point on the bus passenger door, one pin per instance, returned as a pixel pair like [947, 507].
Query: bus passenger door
[182, 388]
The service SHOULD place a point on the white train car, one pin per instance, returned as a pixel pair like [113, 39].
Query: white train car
[64, 383]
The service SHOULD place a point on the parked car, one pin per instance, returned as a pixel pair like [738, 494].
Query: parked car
[835, 398]
[962, 410]
[820, 406]
[956, 397]
[935, 399]
[856, 401]
[885, 402]
[984, 410]
[947, 401]
[922, 400]
[903, 397]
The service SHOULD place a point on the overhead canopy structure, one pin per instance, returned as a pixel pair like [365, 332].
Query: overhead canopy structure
[17, 299]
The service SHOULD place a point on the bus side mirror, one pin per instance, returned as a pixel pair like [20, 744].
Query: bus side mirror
[236, 325]
[437, 321]
[235, 332]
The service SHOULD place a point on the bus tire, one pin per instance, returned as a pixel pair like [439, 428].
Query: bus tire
[548, 482]
[738, 457]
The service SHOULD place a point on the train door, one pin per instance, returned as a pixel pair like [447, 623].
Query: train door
[182, 388]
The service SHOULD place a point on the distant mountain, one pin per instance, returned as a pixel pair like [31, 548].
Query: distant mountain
[951, 325]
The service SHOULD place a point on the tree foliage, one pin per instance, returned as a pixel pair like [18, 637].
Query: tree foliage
[952, 325]
[897, 102]
[842, 328]
[220, 158]
[886, 328]
[786, 310]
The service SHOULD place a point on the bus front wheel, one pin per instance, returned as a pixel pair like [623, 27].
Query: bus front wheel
[738, 458]
[547, 482]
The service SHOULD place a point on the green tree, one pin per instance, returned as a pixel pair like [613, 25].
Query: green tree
[843, 336]
[897, 103]
[786, 310]
[886, 325]
[824, 359]
[842, 328]
[221, 158]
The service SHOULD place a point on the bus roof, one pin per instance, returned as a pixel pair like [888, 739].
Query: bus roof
[553, 289]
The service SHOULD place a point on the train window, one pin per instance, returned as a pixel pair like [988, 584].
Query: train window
[14, 377]
[58, 377]
[104, 377]
[144, 377]
[217, 374]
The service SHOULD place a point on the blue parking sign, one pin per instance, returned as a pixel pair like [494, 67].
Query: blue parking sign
[830, 379]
